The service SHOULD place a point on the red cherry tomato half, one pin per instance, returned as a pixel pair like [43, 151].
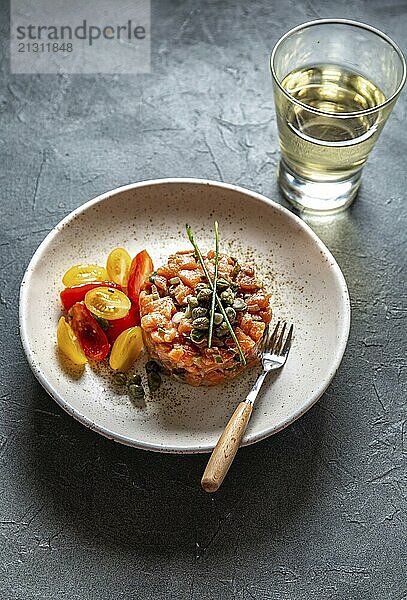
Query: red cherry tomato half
[77, 293]
[91, 336]
[141, 267]
[117, 327]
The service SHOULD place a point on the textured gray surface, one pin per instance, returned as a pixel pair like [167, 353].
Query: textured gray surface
[317, 511]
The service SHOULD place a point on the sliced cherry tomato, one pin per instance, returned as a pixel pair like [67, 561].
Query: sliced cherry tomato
[68, 343]
[126, 349]
[107, 303]
[118, 266]
[116, 327]
[84, 274]
[91, 336]
[141, 267]
[77, 293]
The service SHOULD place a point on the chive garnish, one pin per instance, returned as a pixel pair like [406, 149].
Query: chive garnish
[215, 281]
[222, 310]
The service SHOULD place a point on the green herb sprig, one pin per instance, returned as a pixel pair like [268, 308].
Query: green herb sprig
[217, 299]
[215, 281]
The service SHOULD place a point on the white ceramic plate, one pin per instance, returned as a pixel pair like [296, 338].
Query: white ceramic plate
[308, 290]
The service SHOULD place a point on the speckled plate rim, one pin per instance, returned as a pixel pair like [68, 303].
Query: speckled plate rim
[190, 449]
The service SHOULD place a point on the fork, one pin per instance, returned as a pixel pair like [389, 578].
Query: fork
[273, 357]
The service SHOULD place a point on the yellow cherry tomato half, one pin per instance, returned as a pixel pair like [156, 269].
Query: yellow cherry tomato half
[84, 274]
[118, 266]
[126, 349]
[68, 343]
[107, 303]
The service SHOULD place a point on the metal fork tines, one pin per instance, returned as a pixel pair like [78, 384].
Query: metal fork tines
[274, 351]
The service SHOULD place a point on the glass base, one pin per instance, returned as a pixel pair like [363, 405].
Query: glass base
[317, 197]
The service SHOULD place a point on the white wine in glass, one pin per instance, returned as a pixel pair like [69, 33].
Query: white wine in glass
[335, 84]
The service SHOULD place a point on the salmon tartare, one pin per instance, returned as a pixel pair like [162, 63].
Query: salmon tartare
[175, 310]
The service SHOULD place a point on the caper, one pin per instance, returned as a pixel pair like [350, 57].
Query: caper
[192, 301]
[239, 304]
[217, 318]
[201, 323]
[236, 269]
[204, 295]
[198, 337]
[222, 284]
[154, 380]
[200, 311]
[201, 286]
[174, 280]
[119, 378]
[227, 296]
[152, 366]
[231, 313]
[222, 330]
[136, 391]
[134, 380]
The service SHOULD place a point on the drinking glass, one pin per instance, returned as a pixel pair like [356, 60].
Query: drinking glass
[335, 83]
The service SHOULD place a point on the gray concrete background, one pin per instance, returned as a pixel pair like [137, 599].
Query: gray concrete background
[317, 511]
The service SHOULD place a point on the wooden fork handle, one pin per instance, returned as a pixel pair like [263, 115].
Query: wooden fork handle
[226, 448]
